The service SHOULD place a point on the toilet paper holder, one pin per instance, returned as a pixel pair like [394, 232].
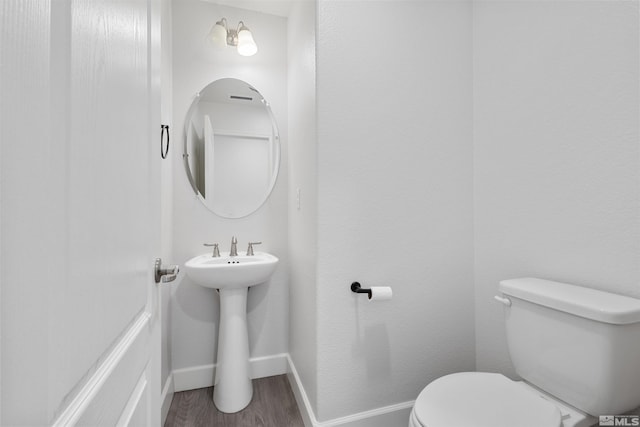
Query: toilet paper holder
[355, 287]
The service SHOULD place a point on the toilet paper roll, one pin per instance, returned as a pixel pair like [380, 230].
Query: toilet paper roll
[380, 293]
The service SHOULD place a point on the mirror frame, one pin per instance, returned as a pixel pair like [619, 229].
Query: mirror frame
[185, 154]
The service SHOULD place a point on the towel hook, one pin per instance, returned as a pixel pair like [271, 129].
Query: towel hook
[163, 151]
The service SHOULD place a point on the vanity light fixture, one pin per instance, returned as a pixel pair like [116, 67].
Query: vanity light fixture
[221, 36]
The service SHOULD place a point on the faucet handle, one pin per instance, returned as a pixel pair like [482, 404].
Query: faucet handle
[216, 251]
[250, 248]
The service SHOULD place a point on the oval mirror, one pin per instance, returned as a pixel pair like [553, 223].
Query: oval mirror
[231, 148]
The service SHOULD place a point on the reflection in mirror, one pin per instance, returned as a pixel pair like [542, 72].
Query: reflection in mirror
[232, 148]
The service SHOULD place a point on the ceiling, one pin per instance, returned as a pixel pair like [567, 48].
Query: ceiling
[272, 7]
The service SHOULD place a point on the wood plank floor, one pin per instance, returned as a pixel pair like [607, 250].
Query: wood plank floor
[273, 405]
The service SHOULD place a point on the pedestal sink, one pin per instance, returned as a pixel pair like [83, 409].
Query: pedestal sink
[232, 276]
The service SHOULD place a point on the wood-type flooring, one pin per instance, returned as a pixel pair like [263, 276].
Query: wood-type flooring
[273, 405]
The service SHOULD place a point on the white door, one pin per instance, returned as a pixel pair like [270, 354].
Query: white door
[80, 212]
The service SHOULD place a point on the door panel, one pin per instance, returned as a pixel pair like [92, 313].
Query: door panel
[113, 392]
[108, 173]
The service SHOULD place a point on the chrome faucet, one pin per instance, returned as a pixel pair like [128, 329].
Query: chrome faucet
[234, 247]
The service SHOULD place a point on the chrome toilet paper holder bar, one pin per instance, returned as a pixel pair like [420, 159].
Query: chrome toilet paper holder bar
[355, 287]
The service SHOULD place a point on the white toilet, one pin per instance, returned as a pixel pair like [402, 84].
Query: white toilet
[577, 350]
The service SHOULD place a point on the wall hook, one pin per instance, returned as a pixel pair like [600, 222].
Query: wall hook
[164, 151]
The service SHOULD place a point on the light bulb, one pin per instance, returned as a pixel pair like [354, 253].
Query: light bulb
[246, 45]
[218, 35]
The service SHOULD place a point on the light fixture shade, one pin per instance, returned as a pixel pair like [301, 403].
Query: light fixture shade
[218, 35]
[246, 45]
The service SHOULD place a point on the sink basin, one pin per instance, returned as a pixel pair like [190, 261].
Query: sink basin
[232, 276]
[226, 272]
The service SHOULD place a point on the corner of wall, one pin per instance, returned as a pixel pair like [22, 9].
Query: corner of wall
[303, 195]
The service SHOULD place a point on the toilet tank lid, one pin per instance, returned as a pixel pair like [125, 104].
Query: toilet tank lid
[584, 302]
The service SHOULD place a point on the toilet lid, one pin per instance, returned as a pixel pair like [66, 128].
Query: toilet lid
[483, 400]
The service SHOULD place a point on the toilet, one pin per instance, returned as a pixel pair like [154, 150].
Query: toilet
[576, 349]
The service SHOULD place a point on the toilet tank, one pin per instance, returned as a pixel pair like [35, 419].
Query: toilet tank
[577, 344]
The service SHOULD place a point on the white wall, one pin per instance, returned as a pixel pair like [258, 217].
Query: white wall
[394, 199]
[303, 238]
[557, 166]
[194, 309]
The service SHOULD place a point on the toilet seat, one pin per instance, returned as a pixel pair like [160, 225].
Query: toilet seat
[482, 400]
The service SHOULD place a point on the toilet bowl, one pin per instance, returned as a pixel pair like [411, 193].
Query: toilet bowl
[576, 349]
[478, 399]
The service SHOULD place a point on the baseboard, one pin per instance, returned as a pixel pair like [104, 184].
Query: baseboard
[304, 406]
[268, 366]
[387, 416]
[167, 397]
[203, 375]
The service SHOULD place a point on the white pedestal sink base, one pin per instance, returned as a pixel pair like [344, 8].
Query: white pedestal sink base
[232, 276]
[233, 390]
